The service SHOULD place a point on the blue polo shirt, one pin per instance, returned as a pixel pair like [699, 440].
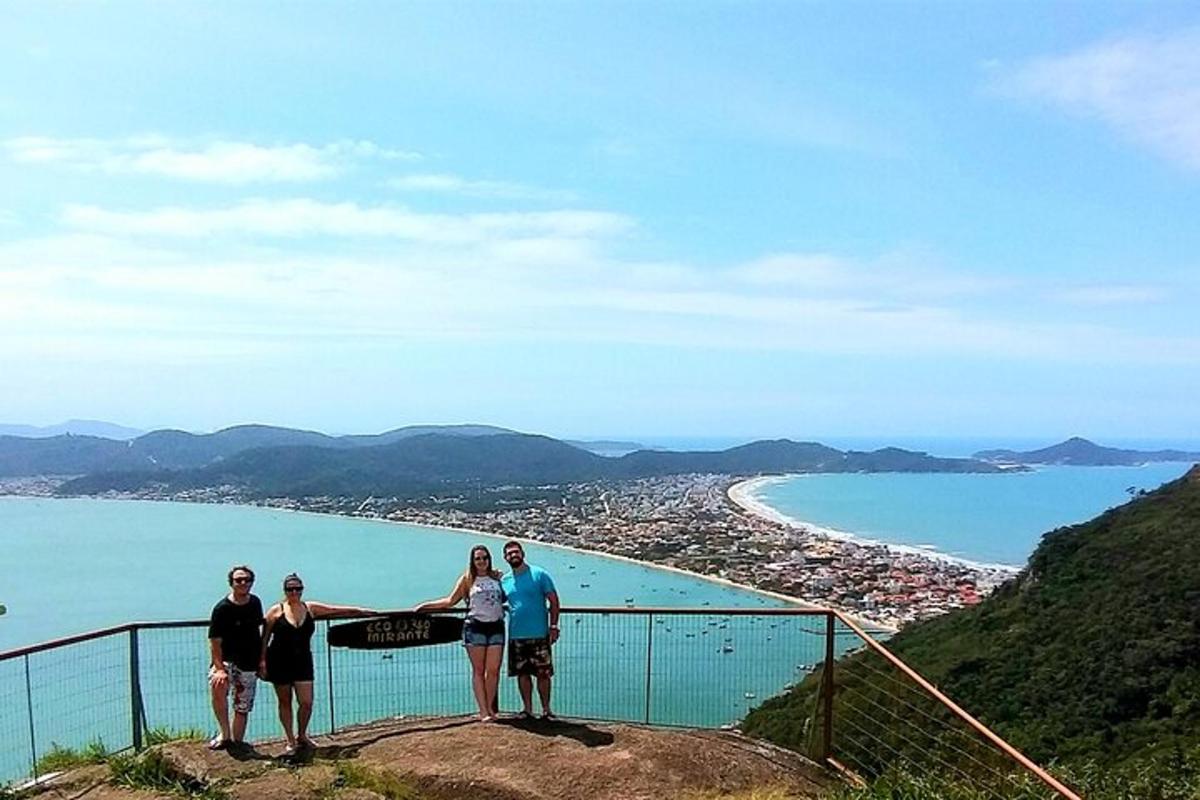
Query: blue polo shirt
[526, 592]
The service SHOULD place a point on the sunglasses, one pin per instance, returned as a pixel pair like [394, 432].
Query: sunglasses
[243, 580]
[483, 558]
[293, 588]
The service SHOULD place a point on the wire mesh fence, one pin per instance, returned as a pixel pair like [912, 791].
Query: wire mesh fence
[702, 668]
[886, 723]
[671, 667]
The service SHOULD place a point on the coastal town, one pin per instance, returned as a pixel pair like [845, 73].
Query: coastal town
[703, 523]
[690, 522]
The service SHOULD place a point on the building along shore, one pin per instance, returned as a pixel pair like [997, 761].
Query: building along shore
[702, 523]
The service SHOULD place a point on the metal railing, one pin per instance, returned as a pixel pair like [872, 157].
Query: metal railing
[688, 667]
[880, 720]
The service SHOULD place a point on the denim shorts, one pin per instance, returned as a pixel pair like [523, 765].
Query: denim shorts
[482, 634]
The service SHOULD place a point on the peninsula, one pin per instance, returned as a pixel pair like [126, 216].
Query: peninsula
[686, 510]
[698, 522]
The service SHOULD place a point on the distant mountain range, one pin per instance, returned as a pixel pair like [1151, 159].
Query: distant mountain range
[1083, 453]
[177, 450]
[270, 461]
[79, 427]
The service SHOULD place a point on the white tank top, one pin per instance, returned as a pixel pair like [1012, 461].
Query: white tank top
[485, 600]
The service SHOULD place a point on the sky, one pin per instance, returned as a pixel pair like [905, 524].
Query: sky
[604, 219]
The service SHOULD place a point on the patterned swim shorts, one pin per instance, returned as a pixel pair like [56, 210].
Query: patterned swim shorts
[530, 657]
[244, 684]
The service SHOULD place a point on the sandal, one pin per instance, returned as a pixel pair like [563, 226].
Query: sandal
[288, 751]
[218, 743]
[525, 715]
[548, 716]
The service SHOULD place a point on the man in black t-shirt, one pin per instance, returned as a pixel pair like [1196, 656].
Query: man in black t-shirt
[235, 642]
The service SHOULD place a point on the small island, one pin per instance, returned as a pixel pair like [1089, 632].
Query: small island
[1079, 452]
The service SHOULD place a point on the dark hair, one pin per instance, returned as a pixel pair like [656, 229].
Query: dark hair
[471, 573]
[292, 577]
[513, 543]
[238, 568]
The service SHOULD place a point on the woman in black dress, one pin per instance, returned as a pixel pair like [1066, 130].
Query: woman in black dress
[287, 660]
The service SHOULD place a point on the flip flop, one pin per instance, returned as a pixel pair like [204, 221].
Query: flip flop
[307, 743]
[548, 716]
[288, 751]
[217, 743]
[525, 715]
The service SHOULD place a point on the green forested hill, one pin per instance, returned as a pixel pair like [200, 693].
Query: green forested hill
[1093, 652]
[418, 465]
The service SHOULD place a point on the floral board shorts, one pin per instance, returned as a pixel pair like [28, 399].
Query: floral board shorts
[530, 657]
[244, 683]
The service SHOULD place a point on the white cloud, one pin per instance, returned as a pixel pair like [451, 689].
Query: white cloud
[228, 162]
[1146, 87]
[495, 284]
[454, 184]
[304, 217]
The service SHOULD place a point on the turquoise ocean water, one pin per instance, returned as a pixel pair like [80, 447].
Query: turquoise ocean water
[994, 518]
[78, 565]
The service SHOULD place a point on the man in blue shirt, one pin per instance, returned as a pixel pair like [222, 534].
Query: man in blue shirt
[532, 627]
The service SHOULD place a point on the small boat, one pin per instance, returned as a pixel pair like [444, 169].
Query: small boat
[727, 648]
[749, 695]
[628, 599]
[585, 586]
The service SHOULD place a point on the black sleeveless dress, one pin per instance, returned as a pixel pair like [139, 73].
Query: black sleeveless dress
[289, 653]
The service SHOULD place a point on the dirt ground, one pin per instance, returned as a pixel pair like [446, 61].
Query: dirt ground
[447, 759]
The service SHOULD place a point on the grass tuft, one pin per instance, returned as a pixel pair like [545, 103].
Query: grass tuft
[356, 776]
[149, 770]
[163, 735]
[63, 758]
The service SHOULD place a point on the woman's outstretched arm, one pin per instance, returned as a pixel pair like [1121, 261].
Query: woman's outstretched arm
[449, 601]
[320, 610]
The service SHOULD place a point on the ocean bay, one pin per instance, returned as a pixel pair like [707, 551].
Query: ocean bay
[990, 518]
[85, 564]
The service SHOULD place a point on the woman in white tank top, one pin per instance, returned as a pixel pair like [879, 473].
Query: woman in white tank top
[483, 631]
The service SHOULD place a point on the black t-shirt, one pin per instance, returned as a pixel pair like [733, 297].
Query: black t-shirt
[238, 628]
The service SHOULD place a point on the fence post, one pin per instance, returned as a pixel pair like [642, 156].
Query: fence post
[827, 691]
[649, 656]
[29, 710]
[329, 678]
[135, 689]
